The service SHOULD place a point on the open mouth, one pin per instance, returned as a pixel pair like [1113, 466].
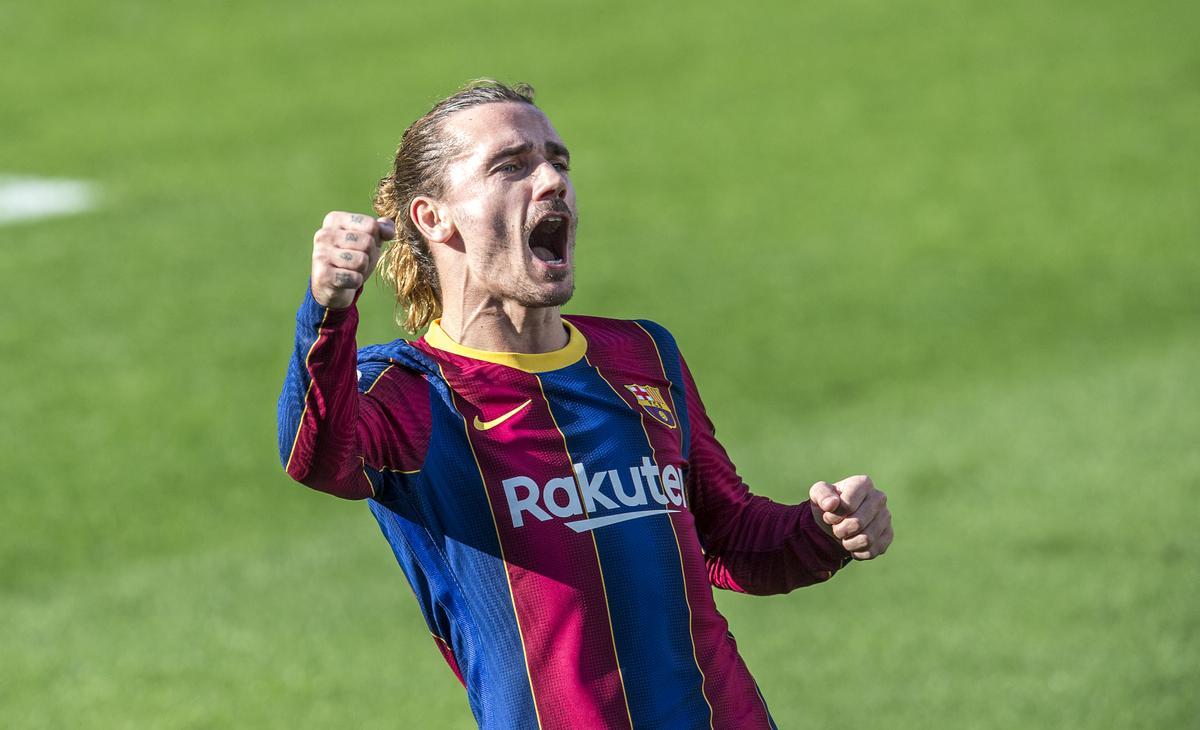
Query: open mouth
[548, 239]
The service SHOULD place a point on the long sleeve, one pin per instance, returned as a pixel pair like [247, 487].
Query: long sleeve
[330, 434]
[751, 544]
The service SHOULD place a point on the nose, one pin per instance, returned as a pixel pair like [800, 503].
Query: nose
[549, 182]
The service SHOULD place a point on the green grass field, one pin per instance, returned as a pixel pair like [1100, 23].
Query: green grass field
[954, 246]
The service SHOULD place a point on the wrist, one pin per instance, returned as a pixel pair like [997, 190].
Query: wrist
[819, 523]
[319, 314]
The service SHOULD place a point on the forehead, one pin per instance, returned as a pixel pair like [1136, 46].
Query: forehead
[481, 131]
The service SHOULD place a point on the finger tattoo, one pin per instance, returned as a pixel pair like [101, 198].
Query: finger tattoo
[356, 219]
[342, 279]
[346, 256]
[352, 237]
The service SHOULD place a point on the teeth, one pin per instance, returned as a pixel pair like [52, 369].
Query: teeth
[545, 239]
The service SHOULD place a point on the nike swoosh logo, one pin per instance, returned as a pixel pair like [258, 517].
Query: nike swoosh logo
[485, 425]
[594, 522]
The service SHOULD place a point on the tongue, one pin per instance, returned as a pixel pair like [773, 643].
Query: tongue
[543, 253]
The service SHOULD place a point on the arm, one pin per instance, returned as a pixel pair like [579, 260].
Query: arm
[328, 432]
[751, 544]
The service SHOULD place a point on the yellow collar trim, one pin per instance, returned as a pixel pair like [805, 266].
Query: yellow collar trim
[530, 362]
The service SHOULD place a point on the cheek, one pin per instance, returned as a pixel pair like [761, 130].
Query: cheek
[499, 225]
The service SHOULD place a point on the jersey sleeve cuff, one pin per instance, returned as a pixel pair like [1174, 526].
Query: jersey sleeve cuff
[828, 549]
[313, 314]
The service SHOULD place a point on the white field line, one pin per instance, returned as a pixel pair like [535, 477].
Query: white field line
[30, 198]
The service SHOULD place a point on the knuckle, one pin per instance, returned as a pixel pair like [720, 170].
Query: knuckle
[360, 241]
[359, 222]
[346, 280]
[860, 482]
[332, 218]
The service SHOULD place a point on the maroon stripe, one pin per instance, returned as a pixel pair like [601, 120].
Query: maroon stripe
[398, 431]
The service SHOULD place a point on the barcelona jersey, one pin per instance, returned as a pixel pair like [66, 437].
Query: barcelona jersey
[561, 517]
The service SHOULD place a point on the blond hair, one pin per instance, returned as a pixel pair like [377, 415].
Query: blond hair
[417, 171]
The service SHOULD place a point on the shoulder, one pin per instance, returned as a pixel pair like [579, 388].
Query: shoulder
[628, 341]
[398, 362]
[607, 331]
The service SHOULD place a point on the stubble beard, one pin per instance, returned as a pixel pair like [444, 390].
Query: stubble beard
[554, 298]
[525, 290]
[528, 293]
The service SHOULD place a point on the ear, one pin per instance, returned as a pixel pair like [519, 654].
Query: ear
[431, 219]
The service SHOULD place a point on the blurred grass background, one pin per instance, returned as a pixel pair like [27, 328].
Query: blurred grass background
[954, 246]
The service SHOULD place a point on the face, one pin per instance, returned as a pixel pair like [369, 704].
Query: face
[508, 195]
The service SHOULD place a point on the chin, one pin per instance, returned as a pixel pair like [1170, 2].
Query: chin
[548, 297]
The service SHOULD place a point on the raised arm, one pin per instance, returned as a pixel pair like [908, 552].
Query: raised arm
[755, 545]
[328, 432]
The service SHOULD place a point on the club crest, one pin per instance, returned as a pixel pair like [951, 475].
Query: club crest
[651, 400]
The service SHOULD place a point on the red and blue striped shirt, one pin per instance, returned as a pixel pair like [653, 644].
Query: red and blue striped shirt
[561, 517]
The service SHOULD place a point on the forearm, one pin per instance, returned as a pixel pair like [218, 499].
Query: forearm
[773, 548]
[318, 408]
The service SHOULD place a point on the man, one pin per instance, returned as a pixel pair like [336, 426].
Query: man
[550, 485]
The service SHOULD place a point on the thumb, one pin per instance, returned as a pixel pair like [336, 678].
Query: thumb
[825, 496]
[387, 228]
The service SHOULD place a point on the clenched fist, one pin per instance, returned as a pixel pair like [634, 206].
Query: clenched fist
[345, 251]
[854, 513]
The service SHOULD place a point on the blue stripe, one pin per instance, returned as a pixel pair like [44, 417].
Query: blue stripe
[673, 369]
[639, 558]
[672, 362]
[440, 526]
[401, 527]
[295, 384]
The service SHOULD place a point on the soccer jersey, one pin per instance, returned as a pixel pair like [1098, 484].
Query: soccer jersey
[561, 517]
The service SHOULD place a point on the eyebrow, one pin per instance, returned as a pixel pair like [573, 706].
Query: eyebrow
[553, 148]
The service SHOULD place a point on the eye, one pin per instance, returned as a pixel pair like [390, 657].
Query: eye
[562, 166]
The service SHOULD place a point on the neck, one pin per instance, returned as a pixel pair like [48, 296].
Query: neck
[499, 326]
